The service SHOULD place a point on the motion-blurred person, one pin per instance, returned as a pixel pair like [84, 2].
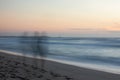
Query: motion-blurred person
[39, 47]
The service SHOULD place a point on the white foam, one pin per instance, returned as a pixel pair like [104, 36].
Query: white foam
[104, 68]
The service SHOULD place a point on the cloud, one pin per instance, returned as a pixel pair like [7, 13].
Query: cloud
[87, 29]
[113, 31]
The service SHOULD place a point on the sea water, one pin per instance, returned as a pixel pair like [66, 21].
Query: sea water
[95, 53]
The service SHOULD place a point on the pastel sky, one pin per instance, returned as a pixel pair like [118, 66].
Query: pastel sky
[61, 17]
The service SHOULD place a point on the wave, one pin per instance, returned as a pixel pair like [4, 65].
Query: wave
[87, 44]
[89, 58]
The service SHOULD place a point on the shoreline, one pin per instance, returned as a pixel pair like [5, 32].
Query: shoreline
[76, 64]
[77, 73]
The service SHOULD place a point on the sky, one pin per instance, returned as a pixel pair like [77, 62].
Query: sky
[83, 18]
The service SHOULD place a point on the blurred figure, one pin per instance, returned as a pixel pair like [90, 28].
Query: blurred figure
[39, 48]
[43, 48]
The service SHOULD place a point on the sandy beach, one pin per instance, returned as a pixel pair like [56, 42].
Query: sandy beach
[13, 67]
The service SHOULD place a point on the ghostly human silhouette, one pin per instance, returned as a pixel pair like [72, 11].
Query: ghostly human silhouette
[39, 48]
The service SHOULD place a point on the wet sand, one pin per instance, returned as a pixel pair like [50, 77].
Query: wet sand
[14, 67]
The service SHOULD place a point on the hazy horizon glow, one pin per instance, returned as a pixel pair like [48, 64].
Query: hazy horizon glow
[61, 17]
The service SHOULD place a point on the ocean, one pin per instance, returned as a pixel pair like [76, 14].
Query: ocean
[96, 53]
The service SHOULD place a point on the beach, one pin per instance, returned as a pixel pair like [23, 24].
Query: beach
[15, 67]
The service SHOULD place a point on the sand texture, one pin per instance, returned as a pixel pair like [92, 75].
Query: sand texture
[14, 67]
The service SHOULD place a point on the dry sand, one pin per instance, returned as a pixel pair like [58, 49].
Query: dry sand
[13, 68]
